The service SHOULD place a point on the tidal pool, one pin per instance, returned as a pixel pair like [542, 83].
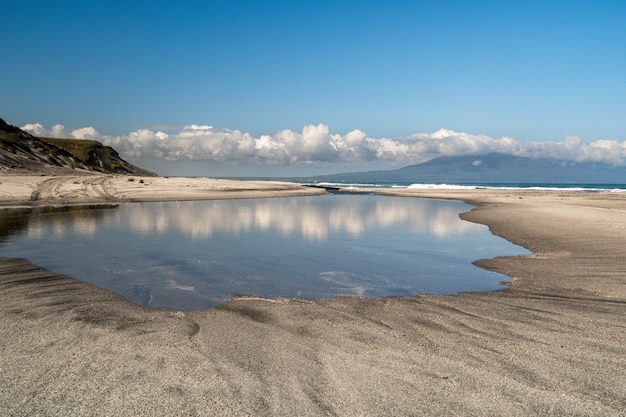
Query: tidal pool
[195, 255]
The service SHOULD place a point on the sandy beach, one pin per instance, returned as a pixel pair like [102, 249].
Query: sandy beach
[59, 190]
[552, 343]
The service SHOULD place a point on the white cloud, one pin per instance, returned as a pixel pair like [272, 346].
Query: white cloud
[315, 143]
[58, 131]
[86, 133]
[36, 129]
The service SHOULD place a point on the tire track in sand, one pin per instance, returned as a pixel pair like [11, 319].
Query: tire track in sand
[90, 188]
[99, 188]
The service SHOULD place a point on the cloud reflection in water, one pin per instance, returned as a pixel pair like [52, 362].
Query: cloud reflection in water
[312, 217]
[186, 255]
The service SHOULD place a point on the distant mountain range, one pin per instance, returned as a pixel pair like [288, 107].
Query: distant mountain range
[22, 152]
[492, 168]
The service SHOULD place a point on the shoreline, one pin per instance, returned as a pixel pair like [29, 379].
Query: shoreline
[552, 342]
[64, 190]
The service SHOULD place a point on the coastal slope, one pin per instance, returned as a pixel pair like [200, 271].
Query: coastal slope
[23, 153]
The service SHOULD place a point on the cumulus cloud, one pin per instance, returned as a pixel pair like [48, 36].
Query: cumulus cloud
[86, 133]
[315, 143]
[58, 131]
[36, 129]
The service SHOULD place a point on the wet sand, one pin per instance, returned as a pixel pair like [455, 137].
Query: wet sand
[552, 343]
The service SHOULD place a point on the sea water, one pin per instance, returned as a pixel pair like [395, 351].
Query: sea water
[195, 255]
[587, 187]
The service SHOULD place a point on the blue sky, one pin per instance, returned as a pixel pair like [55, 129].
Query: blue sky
[536, 72]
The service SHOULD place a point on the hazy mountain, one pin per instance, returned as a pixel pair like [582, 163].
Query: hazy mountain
[491, 168]
[22, 152]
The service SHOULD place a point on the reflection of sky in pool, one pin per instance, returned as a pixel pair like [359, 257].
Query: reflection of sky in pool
[191, 255]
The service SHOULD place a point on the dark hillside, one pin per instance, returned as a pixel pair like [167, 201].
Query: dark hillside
[23, 152]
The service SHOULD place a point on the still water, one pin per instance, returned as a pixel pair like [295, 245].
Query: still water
[194, 255]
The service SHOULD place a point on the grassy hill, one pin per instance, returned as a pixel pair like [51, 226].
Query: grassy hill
[23, 152]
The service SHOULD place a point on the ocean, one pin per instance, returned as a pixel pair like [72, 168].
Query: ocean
[473, 186]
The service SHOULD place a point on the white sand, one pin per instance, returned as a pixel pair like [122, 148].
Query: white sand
[86, 189]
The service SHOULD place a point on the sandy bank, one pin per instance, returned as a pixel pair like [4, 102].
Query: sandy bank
[553, 343]
[30, 190]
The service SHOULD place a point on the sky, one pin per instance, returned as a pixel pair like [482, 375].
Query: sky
[311, 87]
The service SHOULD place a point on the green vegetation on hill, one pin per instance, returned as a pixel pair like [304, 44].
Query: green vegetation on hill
[94, 155]
[20, 150]
[79, 149]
